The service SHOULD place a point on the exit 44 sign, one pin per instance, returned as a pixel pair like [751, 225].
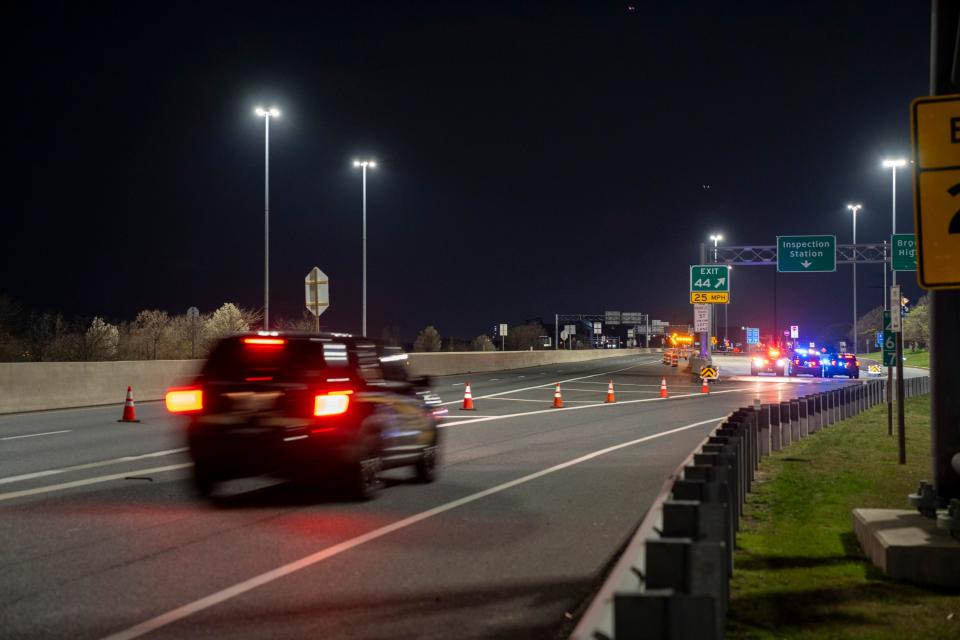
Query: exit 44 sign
[709, 284]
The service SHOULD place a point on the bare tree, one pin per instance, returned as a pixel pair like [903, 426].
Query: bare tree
[525, 336]
[226, 320]
[100, 341]
[154, 325]
[428, 340]
[482, 343]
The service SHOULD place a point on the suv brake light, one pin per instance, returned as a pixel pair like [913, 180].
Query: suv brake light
[331, 404]
[265, 342]
[184, 400]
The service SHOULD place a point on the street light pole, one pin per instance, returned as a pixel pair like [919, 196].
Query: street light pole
[892, 164]
[266, 114]
[855, 208]
[363, 164]
[716, 238]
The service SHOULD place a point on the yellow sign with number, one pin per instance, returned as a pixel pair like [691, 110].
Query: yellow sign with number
[709, 297]
[935, 133]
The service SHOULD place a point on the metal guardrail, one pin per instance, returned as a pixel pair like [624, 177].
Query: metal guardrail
[672, 580]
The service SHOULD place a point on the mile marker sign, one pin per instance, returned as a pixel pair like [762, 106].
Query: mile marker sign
[806, 254]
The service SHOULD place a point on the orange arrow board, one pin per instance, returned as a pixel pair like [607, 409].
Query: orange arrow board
[935, 133]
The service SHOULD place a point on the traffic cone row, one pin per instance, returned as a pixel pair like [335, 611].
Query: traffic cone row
[129, 409]
[467, 399]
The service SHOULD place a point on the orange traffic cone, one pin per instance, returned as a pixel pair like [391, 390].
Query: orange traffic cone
[663, 387]
[610, 396]
[704, 386]
[557, 398]
[129, 410]
[467, 399]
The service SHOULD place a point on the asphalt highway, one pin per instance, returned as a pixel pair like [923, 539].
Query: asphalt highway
[102, 537]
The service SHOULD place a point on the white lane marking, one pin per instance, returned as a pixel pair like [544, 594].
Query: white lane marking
[600, 391]
[451, 416]
[89, 465]
[267, 577]
[36, 435]
[82, 483]
[457, 384]
[493, 379]
[562, 382]
[545, 401]
[593, 406]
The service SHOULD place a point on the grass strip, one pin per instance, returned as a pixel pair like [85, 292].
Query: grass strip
[799, 570]
[918, 358]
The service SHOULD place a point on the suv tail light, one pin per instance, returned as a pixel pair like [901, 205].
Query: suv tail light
[331, 404]
[184, 400]
[265, 342]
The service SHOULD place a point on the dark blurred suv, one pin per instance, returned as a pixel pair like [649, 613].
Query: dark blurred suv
[317, 407]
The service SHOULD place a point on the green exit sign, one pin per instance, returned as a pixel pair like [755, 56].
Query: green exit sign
[904, 252]
[806, 254]
[709, 277]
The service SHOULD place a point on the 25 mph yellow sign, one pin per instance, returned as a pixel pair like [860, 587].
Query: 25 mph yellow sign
[935, 133]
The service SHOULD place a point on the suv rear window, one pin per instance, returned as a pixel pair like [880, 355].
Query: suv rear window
[294, 360]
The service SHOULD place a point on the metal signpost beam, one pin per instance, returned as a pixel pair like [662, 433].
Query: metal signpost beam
[944, 304]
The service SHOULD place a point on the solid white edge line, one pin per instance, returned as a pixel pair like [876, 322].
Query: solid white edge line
[36, 435]
[82, 483]
[89, 465]
[240, 588]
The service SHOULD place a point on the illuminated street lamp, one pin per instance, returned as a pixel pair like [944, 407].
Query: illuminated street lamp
[855, 208]
[373, 165]
[716, 238]
[266, 114]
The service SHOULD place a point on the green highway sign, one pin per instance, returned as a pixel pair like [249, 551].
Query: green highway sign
[709, 277]
[806, 254]
[889, 342]
[709, 284]
[904, 256]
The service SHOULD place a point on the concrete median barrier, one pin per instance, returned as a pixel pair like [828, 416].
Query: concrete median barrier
[35, 386]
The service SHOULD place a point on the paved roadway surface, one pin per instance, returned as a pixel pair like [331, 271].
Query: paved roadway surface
[102, 537]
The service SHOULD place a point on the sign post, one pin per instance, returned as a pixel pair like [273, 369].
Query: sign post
[317, 287]
[896, 324]
[504, 328]
[806, 254]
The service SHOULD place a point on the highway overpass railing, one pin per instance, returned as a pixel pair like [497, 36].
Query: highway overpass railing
[672, 580]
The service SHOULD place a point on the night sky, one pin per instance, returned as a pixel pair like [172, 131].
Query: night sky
[533, 158]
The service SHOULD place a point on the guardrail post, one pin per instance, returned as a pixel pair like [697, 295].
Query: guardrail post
[786, 428]
[804, 417]
[704, 483]
[731, 477]
[813, 412]
[663, 614]
[844, 403]
[776, 437]
[794, 420]
[763, 430]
